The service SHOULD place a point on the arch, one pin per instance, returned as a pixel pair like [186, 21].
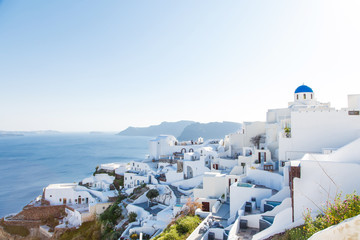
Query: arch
[183, 150]
[191, 150]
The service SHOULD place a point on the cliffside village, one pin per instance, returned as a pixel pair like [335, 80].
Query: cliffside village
[253, 183]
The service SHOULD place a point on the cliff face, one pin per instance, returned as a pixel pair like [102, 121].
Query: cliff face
[185, 130]
[212, 130]
[34, 234]
[25, 225]
[169, 128]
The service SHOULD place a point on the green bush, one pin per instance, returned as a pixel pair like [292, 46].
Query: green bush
[132, 216]
[181, 229]
[332, 214]
[298, 233]
[113, 235]
[152, 193]
[119, 183]
[87, 230]
[184, 225]
[111, 214]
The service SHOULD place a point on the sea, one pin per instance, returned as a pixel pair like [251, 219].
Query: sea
[31, 162]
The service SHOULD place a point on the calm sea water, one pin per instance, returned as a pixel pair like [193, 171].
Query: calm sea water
[30, 163]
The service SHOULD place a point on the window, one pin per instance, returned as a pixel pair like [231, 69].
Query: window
[50, 195]
[297, 96]
[70, 200]
[354, 112]
[311, 96]
[304, 96]
[75, 200]
[59, 199]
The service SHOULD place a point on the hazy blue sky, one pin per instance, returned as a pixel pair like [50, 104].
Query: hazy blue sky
[76, 65]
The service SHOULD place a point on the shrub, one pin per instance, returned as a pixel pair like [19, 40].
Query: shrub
[134, 236]
[192, 206]
[87, 230]
[120, 198]
[180, 229]
[184, 225]
[113, 235]
[132, 216]
[119, 183]
[111, 214]
[332, 214]
[298, 233]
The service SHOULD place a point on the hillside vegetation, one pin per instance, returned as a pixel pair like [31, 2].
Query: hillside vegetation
[333, 213]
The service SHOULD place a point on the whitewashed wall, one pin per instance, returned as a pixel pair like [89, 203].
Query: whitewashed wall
[311, 131]
[321, 181]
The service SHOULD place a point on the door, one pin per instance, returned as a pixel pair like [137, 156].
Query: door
[259, 157]
[205, 206]
[64, 201]
[79, 200]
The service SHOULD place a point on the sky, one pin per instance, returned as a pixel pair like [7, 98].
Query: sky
[89, 65]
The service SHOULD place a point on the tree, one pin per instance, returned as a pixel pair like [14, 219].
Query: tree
[192, 206]
[152, 193]
[256, 140]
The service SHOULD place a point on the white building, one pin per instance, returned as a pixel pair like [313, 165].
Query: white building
[310, 126]
[235, 142]
[132, 179]
[101, 182]
[68, 193]
[314, 180]
[164, 146]
[215, 186]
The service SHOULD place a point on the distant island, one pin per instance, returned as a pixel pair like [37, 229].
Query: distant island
[23, 133]
[185, 129]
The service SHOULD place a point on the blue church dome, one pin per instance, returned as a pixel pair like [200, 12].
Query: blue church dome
[303, 88]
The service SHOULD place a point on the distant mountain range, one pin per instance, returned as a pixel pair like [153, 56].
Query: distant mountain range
[208, 130]
[170, 128]
[185, 130]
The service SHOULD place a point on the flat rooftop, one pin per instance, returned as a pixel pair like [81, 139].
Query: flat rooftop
[62, 185]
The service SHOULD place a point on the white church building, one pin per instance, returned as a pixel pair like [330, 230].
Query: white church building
[309, 126]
